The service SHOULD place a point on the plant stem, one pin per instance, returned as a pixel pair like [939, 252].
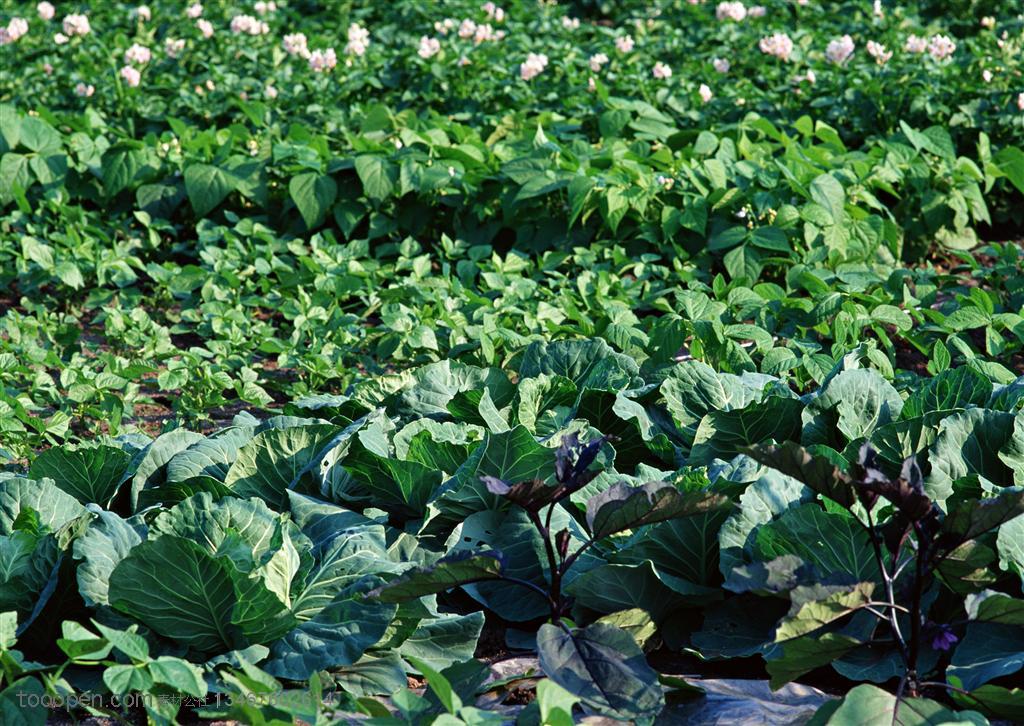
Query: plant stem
[889, 590]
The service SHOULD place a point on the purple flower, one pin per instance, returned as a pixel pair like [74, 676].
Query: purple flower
[943, 637]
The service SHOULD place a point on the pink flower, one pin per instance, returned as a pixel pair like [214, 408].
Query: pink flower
[16, 28]
[138, 54]
[484, 32]
[878, 52]
[444, 26]
[731, 11]
[721, 65]
[46, 10]
[778, 44]
[143, 13]
[321, 61]
[941, 47]
[247, 24]
[596, 61]
[47, 69]
[915, 44]
[296, 44]
[358, 40]
[173, 47]
[624, 43]
[705, 93]
[493, 12]
[429, 47]
[262, 8]
[839, 50]
[661, 71]
[194, 11]
[131, 76]
[533, 66]
[270, 92]
[1020, 101]
[75, 25]
[84, 91]
[467, 29]
[592, 85]
[757, 11]
[205, 27]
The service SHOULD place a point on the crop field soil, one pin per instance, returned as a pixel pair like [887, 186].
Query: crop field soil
[438, 362]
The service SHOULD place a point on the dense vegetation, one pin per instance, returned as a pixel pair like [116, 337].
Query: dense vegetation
[349, 348]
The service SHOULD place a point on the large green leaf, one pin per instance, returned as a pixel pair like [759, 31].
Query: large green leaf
[867, 704]
[693, 389]
[207, 186]
[106, 542]
[622, 506]
[602, 665]
[91, 474]
[314, 195]
[723, 434]
[587, 363]
[973, 442]
[181, 591]
[831, 541]
[274, 460]
[849, 407]
[459, 568]
[53, 506]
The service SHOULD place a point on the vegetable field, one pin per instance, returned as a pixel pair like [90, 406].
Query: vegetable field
[444, 363]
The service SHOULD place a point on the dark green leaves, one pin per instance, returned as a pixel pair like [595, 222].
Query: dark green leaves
[456, 569]
[89, 474]
[313, 194]
[623, 506]
[603, 666]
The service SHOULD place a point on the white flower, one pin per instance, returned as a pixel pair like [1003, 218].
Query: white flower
[131, 76]
[570, 23]
[592, 85]
[247, 24]
[321, 61]
[74, 24]
[661, 71]
[296, 44]
[262, 8]
[533, 66]
[941, 47]
[60, 38]
[429, 47]
[138, 54]
[194, 11]
[839, 50]
[143, 13]
[757, 11]
[46, 10]
[358, 40]
[986, 75]
[878, 52]
[624, 43]
[915, 44]
[877, 9]
[467, 29]
[173, 47]
[988, 22]
[1020, 101]
[484, 32]
[444, 26]
[778, 44]
[83, 90]
[16, 28]
[270, 92]
[596, 61]
[731, 11]
[721, 65]
[205, 27]
[493, 12]
[705, 93]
